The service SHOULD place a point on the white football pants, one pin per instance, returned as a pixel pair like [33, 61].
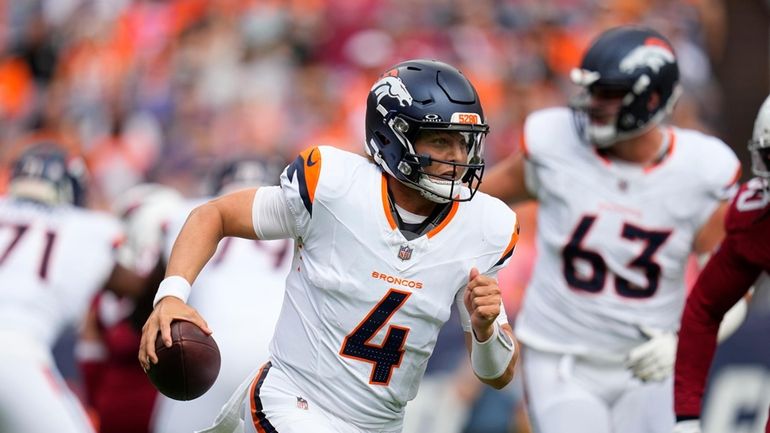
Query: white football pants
[570, 394]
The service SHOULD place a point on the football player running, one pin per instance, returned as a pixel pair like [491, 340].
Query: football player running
[727, 277]
[623, 201]
[54, 256]
[384, 247]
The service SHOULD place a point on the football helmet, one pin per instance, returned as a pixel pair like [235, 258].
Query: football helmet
[145, 210]
[637, 69]
[245, 171]
[425, 95]
[759, 145]
[44, 173]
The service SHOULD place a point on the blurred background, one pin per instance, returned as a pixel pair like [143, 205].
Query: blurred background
[158, 90]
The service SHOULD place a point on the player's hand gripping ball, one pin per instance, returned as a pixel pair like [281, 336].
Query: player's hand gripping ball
[188, 368]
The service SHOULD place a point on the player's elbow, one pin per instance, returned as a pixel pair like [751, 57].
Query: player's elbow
[207, 216]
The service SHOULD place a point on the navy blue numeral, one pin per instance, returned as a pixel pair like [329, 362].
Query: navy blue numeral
[387, 356]
[573, 251]
[645, 261]
[594, 283]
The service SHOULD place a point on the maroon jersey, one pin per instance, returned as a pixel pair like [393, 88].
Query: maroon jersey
[731, 271]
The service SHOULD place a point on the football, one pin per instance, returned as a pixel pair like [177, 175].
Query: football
[188, 368]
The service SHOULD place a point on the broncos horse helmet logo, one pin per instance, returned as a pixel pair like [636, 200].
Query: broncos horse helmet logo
[651, 55]
[394, 88]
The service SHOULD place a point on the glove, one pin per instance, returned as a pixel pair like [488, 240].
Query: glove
[654, 359]
[689, 426]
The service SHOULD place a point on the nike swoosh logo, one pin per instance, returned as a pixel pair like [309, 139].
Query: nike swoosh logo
[310, 161]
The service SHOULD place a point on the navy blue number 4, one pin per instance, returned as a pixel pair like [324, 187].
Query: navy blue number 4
[384, 357]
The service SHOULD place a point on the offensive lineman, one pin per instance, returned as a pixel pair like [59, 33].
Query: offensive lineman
[54, 256]
[623, 201]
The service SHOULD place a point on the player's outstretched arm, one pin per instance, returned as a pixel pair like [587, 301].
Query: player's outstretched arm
[492, 347]
[723, 282]
[506, 180]
[229, 215]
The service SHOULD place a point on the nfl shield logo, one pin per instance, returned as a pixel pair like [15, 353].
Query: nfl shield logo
[405, 252]
[302, 403]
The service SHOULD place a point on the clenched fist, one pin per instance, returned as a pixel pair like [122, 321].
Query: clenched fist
[482, 300]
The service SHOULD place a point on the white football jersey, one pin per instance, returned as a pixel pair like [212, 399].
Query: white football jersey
[613, 238]
[363, 305]
[52, 261]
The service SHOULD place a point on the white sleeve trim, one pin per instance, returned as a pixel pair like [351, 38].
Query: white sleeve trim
[270, 214]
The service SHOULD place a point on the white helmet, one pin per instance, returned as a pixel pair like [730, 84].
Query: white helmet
[759, 145]
[145, 209]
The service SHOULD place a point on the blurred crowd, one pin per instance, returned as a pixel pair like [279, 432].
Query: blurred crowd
[159, 90]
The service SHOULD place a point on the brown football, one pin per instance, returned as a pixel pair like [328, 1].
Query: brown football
[188, 368]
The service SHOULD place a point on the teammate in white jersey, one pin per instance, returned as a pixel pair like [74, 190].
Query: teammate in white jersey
[53, 257]
[623, 201]
[384, 247]
[251, 272]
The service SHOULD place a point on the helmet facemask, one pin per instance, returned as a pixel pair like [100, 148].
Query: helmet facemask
[596, 114]
[605, 115]
[760, 158]
[464, 179]
[759, 145]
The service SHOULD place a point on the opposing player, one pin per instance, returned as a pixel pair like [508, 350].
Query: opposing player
[623, 201]
[53, 257]
[254, 273]
[384, 247]
[727, 277]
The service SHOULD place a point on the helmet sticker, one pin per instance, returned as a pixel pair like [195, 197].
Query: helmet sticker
[653, 56]
[466, 118]
[392, 87]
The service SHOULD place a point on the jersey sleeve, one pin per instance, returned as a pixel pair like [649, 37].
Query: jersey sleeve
[103, 226]
[503, 235]
[542, 138]
[300, 181]
[721, 179]
[724, 280]
[748, 205]
[500, 233]
[317, 181]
